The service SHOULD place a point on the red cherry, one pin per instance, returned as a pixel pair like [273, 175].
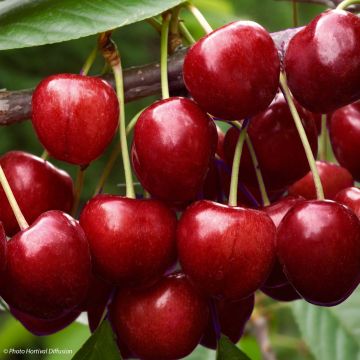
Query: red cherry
[3, 254]
[277, 146]
[232, 317]
[131, 241]
[165, 321]
[344, 127]
[74, 116]
[38, 186]
[333, 178]
[226, 251]
[319, 247]
[351, 198]
[282, 293]
[174, 143]
[233, 72]
[48, 267]
[322, 62]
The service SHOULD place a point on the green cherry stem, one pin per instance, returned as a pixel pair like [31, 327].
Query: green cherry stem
[346, 3]
[200, 18]
[12, 201]
[295, 13]
[186, 33]
[89, 62]
[155, 23]
[323, 139]
[79, 184]
[303, 137]
[164, 56]
[45, 155]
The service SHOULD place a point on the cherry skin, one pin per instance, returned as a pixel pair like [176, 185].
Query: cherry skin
[75, 117]
[351, 198]
[165, 321]
[333, 178]
[131, 241]
[277, 146]
[226, 251]
[48, 267]
[282, 293]
[174, 143]
[233, 72]
[38, 186]
[232, 317]
[322, 62]
[3, 248]
[344, 129]
[319, 247]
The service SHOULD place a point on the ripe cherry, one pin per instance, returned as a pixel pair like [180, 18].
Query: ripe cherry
[333, 178]
[38, 186]
[344, 128]
[351, 198]
[282, 293]
[48, 267]
[3, 243]
[233, 72]
[174, 143]
[318, 244]
[74, 116]
[131, 241]
[226, 251]
[322, 62]
[165, 321]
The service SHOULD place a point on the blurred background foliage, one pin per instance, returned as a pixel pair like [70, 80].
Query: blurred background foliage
[139, 44]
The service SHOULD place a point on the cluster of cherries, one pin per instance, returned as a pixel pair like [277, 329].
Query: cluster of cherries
[161, 277]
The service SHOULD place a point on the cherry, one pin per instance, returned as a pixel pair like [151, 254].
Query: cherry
[322, 62]
[351, 198]
[333, 177]
[165, 321]
[232, 317]
[174, 143]
[131, 241]
[48, 267]
[277, 146]
[233, 72]
[38, 186]
[282, 293]
[2, 250]
[74, 116]
[226, 251]
[319, 247]
[344, 128]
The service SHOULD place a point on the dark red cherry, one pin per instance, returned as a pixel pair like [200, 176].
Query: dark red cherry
[43, 327]
[344, 127]
[333, 178]
[165, 321]
[232, 317]
[174, 143]
[233, 72]
[38, 186]
[322, 62]
[48, 267]
[3, 243]
[282, 293]
[74, 116]
[131, 241]
[277, 146]
[318, 244]
[226, 251]
[351, 198]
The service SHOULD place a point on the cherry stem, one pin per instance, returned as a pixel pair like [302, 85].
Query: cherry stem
[89, 62]
[155, 23]
[186, 33]
[346, 3]
[12, 201]
[236, 165]
[303, 137]
[323, 138]
[79, 184]
[45, 155]
[164, 56]
[200, 18]
[295, 13]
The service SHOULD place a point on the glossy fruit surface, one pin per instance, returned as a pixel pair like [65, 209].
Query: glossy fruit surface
[333, 178]
[131, 241]
[165, 321]
[351, 198]
[319, 247]
[48, 267]
[344, 128]
[174, 143]
[226, 251]
[282, 293]
[277, 146]
[232, 316]
[322, 62]
[3, 243]
[74, 116]
[38, 186]
[233, 72]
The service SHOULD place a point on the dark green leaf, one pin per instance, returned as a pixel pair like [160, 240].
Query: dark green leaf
[228, 351]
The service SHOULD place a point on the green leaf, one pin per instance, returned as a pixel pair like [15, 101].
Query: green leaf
[100, 345]
[228, 351]
[331, 333]
[26, 23]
